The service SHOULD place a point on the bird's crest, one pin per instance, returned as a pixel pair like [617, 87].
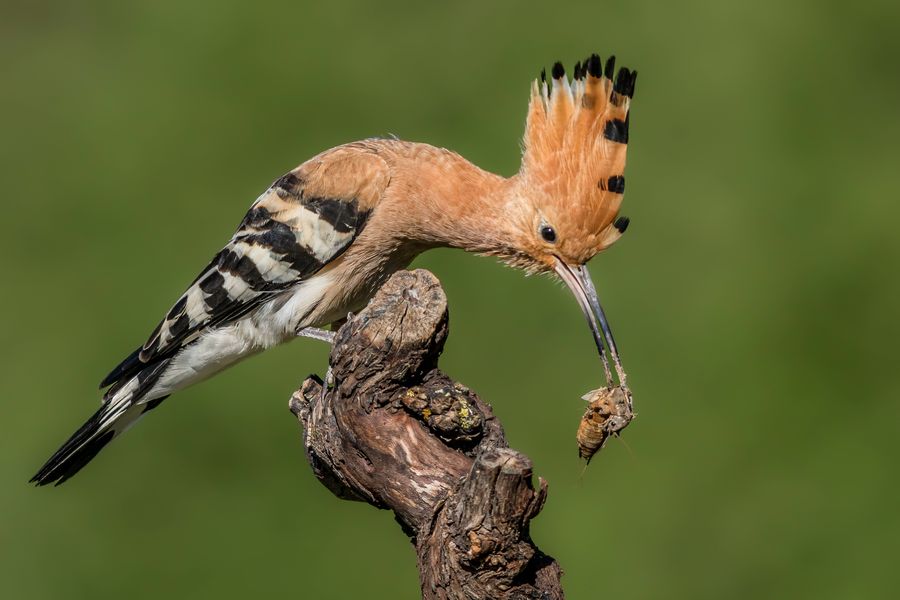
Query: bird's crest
[576, 138]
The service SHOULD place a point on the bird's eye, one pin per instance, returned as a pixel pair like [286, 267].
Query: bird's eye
[548, 233]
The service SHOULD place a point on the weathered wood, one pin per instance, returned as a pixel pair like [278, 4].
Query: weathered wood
[395, 432]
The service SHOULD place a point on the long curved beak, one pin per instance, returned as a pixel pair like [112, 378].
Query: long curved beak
[579, 281]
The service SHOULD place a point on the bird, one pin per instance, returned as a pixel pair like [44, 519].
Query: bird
[321, 240]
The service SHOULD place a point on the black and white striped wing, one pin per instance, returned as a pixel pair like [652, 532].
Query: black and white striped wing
[288, 235]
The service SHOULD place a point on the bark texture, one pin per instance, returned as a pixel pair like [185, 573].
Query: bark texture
[395, 432]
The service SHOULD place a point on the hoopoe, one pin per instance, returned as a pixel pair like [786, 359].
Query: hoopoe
[321, 240]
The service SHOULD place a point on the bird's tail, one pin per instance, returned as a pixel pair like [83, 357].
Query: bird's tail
[124, 403]
[111, 420]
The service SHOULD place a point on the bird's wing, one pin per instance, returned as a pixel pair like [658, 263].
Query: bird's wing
[306, 219]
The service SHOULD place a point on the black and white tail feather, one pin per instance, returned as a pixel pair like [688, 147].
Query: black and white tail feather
[231, 310]
[120, 410]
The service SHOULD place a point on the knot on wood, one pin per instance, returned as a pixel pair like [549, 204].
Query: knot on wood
[448, 409]
[398, 433]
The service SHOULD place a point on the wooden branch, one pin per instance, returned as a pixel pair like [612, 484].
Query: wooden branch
[395, 432]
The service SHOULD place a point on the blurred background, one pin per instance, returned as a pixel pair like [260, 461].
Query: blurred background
[754, 297]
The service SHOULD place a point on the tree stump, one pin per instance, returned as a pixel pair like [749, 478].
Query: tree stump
[395, 432]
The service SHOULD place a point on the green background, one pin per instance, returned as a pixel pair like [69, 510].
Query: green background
[754, 297]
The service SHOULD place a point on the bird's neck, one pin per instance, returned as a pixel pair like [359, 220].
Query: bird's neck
[435, 198]
[454, 203]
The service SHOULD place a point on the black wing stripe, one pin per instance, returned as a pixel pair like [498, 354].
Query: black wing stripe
[129, 366]
[241, 266]
[178, 308]
[288, 185]
[340, 214]
[282, 240]
[216, 294]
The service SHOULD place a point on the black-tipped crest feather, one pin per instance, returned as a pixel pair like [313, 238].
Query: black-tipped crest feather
[610, 68]
[594, 66]
[559, 71]
[623, 82]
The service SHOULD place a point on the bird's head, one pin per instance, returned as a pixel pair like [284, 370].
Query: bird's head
[571, 183]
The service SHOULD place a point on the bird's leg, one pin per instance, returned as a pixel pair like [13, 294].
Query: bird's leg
[325, 336]
[329, 374]
[315, 333]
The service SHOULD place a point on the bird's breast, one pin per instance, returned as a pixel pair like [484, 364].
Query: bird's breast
[346, 286]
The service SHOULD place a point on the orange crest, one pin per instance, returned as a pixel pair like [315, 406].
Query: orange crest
[573, 165]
